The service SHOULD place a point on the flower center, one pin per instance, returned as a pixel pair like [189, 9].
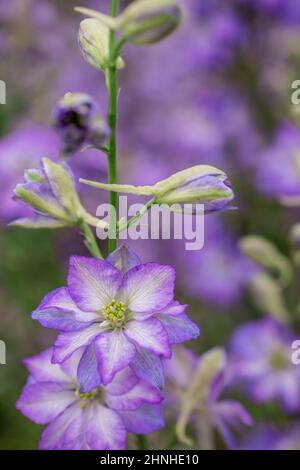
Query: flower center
[278, 360]
[85, 398]
[114, 312]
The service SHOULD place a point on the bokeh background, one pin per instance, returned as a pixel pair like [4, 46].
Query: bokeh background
[217, 92]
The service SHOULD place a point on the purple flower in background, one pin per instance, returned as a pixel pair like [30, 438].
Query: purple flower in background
[260, 354]
[283, 10]
[218, 273]
[97, 420]
[129, 317]
[276, 174]
[267, 437]
[77, 122]
[197, 383]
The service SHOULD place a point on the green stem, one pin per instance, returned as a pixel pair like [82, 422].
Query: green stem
[112, 122]
[137, 216]
[141, 442]
[90, 241]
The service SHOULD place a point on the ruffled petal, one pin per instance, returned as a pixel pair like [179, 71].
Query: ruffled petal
[141, 393]
[92, 283]
[67, 431]
[179, 328]
[87, 372]
[174, 308]
[148, 418]
[42, 370]
[149, 334]
[124, 259]
[147, 366]
[42, 402]
[68, 342]
[148, 287]
[114, 352]
[123, 381]
[105, 429]
[58, 311]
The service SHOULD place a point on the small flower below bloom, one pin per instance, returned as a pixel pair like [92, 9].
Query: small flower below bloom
[97, 420]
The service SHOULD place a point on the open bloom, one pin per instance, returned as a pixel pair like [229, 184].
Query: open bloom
[50, 191]
[128, 317]
[261, 361]
[96, 420]
[197, 383]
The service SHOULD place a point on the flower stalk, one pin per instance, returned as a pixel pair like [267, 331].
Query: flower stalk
[112, 122]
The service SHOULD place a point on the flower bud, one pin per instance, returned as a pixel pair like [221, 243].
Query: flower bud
[149, 21]
[267, 256]
[50, 191]
[143, 21]
[201, 184]
[93, 39]
[78, 123]
[210, 369]
[267, 295]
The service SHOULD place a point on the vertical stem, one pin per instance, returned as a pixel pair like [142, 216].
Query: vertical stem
[112, 122]
[141, 442]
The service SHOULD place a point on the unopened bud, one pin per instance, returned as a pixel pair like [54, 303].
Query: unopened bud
[149, 21]
[201, 184]
[267, 256]
[93, 39]
[143, 21]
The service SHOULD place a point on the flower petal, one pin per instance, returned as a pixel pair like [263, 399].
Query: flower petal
[174, 308]
[114, 352]
[105, 429]
[42, 402]
[123, 258]
[67, 343]
[147, 366]
[58, 311]
[87, 372]
[148, 287]
[92, 283]
[141, 393]
[42, 370]
[123, 381]
[148, 418]
[149, 334]
[66, 431]
[179, 328]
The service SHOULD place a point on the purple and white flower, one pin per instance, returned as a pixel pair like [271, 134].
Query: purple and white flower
[129, 318]
[260, 355]
[97, 420]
